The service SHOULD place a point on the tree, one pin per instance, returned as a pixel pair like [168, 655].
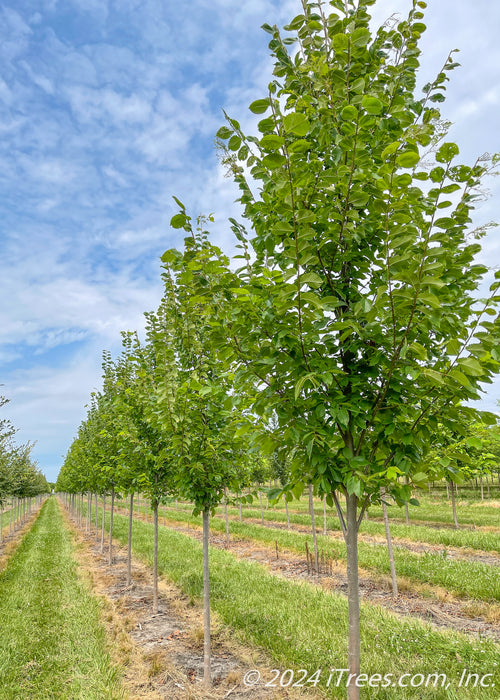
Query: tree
[197, 406]
[355, 319]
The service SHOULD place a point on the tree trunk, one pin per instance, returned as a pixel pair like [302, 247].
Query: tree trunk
[207, 679]
[324, 516]
[96, 519]
[482, 486]
[454, 505]
[226, 517]
[155, 557]
[287, 516]
[129, 543]
[354, 648]
[313, 526]
[261, 509]
[110, 551]
[389, 546]
[103, 520]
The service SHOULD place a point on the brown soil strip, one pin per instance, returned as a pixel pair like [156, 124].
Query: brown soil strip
[163, 654]
[444, 611]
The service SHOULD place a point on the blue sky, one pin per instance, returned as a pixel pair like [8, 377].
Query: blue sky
[107, 109]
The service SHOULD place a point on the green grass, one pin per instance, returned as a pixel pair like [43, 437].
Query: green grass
[52, 644]
[302, 626]
[462, 578]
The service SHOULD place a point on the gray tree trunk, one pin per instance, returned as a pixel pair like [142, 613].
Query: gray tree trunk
[129, 543]
[389, 546]
[313, 526]
[324, 516]
[207, 678]
[110, 550]
[155, 557]
[226, 517]
[287, 516]
[96, 519]
[103, 521]
[454, 505]
[354, 645]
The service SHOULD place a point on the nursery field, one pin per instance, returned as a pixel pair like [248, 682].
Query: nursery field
[445, 620]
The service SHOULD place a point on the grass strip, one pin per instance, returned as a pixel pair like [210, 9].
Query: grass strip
[305, 627]
[52, 644]
[462, 578]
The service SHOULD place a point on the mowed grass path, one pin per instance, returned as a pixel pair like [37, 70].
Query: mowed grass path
[52, 644]
[304, 627]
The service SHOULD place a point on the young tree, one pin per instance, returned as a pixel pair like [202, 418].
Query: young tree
[196, 404]
[355, 319]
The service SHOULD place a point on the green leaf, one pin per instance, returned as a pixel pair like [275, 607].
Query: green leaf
[445, 222]
[447, 152]
[355, 486]
[273, 161]
[224, 133]
[390, 149]
[460, 377]
[408, 159]
[360, 37]
[296, 123]
[296, 23]
[420, 477]
[234, 143]
[271, 142]
[372, 105]
[179, 221]
[312, 279]
[453, 346]
[349, 113]
[471, 366]
[259, 106]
